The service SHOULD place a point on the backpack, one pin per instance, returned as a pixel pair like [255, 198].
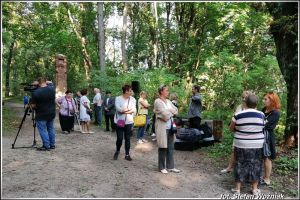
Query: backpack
[206, 130]
[189, 134]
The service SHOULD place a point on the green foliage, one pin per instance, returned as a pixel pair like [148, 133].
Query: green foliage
[286, 164]
[224, 47]
[11, 121]
[223, 149]
[149, 81]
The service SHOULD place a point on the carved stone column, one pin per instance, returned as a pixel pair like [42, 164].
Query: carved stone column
[61, 75]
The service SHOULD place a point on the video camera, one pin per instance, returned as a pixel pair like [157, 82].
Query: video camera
[30, 87]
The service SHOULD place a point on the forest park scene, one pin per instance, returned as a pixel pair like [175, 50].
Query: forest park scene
[225, 48]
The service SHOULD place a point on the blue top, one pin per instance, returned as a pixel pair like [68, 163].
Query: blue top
[26, 99]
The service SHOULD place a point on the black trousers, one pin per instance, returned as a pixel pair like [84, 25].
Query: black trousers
[153, 123]
[66, 122]
[112, 123]
[124, 132]
[195, 122]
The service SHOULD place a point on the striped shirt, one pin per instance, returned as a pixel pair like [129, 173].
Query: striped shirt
[249, 126]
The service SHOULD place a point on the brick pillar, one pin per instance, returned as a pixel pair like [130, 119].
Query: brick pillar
[61, 75]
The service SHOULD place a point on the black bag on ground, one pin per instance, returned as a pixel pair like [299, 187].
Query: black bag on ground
[206, 130]
[186, 145]
[189, 134]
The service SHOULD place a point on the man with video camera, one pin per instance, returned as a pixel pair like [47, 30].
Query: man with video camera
[43, 102]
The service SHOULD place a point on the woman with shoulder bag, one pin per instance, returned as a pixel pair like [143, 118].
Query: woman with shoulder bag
[67, 109]
[143, 107]
[125, 109]
[85, 117]
[165, 110]
[272, 115]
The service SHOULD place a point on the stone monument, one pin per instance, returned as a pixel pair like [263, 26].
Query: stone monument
[61, 75]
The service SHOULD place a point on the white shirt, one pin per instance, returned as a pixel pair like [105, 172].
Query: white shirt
[121, 103]
[97, 99]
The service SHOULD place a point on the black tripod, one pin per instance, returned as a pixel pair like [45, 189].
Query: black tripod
[28, 110]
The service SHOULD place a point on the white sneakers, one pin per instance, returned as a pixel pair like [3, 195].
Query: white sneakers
[164, 171]
[140, 141]
[226, 170]
[153, 135]
[235, 191]
[256, 192]
[174, 170]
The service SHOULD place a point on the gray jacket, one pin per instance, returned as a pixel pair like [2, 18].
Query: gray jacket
[195, 106]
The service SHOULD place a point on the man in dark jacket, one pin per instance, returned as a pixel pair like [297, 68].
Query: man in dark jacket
[109, 111]
[195, 107]
[43, 102]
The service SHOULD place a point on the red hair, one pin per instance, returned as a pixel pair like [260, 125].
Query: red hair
[274, 101]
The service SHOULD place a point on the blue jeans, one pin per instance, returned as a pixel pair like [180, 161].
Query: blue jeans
[98, 115]
[141, 130]
[47, 133]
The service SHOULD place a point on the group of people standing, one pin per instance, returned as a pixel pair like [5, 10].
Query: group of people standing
[164, 111]
[249, 126]
[80, 109]
[247, 160]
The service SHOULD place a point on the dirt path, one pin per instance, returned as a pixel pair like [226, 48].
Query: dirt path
[81, 166]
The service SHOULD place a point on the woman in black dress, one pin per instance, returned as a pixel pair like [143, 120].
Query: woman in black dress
[272, 115]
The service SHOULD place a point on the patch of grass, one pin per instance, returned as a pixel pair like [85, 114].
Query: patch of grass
[10, 121]
[286, 164]
[14, 99]
[224, 148]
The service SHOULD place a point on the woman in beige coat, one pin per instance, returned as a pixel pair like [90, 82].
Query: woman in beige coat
[165, 110]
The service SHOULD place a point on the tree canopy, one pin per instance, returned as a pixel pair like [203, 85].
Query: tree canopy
[225, 47]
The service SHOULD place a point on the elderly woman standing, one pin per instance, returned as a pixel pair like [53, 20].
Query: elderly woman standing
[67, 109]
[165, 110]
[240, 107]
[247, 126]
[85, 118]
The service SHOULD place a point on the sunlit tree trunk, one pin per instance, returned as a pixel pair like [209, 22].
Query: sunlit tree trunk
[155, 45]
[101, 36]
[7, 75]
[86, 56]
[123, 42]
[168, 9]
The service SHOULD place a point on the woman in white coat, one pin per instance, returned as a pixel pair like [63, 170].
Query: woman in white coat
[165, 110]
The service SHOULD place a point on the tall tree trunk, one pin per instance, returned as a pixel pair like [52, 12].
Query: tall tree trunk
[155, 46]
[7, 75]
[86, 56]
[168, 8]
[101, 36]
[123, 42]
[285, 32]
